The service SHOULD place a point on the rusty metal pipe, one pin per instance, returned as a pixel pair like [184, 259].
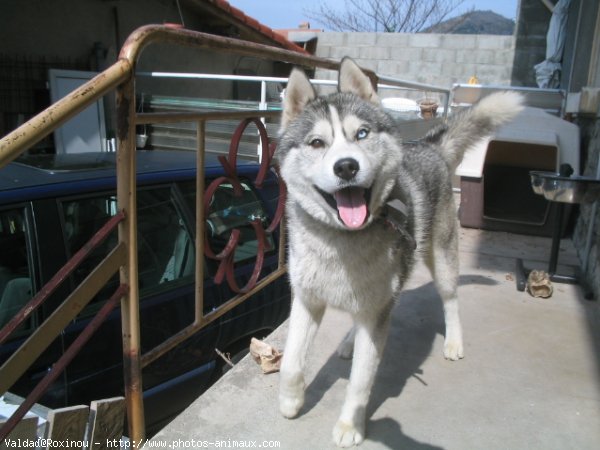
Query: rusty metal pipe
[130, 315]
[143, 36]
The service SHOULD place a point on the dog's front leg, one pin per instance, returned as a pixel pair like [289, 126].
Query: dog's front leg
[304, 321]
[369, 342]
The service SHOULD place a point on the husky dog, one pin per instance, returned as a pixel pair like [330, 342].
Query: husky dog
[361, 205]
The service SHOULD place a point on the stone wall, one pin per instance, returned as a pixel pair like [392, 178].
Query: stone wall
[437, 59]
[589, 217]
[582, 53]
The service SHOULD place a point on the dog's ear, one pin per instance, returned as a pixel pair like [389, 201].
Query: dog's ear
[298, 93]
[352, 79]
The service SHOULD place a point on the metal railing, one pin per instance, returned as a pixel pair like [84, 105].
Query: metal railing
[121, 77]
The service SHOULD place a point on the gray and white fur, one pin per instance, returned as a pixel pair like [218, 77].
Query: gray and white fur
[343, 160]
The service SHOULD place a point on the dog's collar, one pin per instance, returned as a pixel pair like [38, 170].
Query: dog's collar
[394, 215]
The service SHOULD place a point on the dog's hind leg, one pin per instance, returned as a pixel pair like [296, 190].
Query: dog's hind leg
[371, 334]
[304, 322]
[443, 264]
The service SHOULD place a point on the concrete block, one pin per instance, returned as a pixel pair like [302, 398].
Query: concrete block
[332, 38]
[324, 74]
[340, 52]
[459, 41]
[425, 40]
[360, 39]
[393, 40]
[488, 42]
[406, 53]
[323, 51]
[377, 53]
[476, 57]
[441, 55]
[422, 68]
[391, 68]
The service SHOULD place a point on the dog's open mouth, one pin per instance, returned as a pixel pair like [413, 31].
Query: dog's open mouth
[351, 204]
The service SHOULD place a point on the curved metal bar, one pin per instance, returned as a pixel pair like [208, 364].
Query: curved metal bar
[258, 264]
[226, 257]
[35, 129]
[280, 204]
[146, 35]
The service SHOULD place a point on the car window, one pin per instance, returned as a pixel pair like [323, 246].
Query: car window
[165, 248]
[229, 211]
[15, 272]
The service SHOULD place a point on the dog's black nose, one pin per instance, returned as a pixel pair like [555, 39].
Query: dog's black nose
[346, 168]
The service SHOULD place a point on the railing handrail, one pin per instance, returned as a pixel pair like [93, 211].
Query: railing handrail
[44, 123]
[385, 81]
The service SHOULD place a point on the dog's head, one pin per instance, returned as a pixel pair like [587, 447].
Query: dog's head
[337, 153]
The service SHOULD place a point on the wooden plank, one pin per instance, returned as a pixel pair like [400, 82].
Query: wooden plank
[68, 425]
[106, 422]
[25, 431]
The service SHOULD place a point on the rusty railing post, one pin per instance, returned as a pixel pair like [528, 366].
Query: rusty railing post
[127, 201]
[199, 294]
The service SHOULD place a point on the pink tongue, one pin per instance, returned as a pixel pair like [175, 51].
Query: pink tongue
[352, 206]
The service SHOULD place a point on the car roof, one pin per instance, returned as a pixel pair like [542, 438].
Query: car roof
[35, 176]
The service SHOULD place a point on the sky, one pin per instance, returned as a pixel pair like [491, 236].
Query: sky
[290, 13]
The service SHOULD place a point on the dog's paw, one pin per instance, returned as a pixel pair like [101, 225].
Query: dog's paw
[291, 395]
[453, 349]
[290, 406]
[347, 435]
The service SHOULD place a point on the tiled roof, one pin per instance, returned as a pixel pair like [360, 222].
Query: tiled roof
[268, 32]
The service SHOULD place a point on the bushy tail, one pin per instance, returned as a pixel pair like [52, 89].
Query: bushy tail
[466, 128]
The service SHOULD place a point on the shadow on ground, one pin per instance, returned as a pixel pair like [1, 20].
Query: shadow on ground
[417, 318]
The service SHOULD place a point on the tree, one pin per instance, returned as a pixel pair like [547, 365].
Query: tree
[393, 16]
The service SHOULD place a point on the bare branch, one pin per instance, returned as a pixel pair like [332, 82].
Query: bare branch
[396, 16]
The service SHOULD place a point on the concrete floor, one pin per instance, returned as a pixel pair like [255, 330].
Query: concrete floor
[530, 378]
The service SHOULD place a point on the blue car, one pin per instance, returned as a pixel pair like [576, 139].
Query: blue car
[50, 205]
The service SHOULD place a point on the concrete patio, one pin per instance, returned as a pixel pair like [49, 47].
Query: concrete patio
[530, 378]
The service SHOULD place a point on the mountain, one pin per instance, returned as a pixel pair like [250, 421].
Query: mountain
[475, 22]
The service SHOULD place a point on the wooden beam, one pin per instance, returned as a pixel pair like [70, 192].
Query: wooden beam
[106, 422]
[67, 425]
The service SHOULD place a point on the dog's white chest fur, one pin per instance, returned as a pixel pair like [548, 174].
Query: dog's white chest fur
[330, 265]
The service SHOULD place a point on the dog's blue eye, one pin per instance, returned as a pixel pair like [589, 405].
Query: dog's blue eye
[362, 133]
[317, 143]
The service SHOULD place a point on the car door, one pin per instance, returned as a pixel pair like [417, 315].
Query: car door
[166, 260]
[22, 269]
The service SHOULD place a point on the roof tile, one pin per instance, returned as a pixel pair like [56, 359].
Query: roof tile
[255, 24]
